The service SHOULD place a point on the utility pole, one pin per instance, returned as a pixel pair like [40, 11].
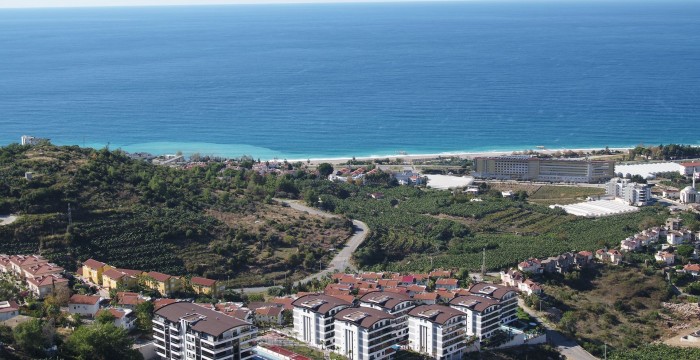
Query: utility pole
[70, 216]
[606, 351]
[483, 266]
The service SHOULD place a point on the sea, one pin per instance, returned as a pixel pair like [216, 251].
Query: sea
[340, 80]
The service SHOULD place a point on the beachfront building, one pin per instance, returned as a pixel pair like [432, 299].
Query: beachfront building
[314, 319]
[631, 192]
[396, 304]
[364, 333]
[184, 330]
[525, 167]
[438, 331]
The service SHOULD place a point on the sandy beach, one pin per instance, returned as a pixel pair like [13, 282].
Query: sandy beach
[409, 158]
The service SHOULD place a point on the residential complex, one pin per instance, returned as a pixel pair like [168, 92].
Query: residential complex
[186, 331]
[525, 167]
[395, 304]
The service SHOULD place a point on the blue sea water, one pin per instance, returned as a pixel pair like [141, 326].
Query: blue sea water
[319, 81]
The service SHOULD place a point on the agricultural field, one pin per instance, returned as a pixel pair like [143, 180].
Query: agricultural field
[412, 228]
[550, 194]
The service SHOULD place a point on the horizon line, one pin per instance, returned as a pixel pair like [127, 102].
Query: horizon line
[53, 4]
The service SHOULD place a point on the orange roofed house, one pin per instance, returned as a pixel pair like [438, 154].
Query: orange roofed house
[205, 286]
[163, 283]
[113, 278]
[93, 269]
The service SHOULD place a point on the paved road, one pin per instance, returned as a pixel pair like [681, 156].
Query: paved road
[567, 347]
[341, 260]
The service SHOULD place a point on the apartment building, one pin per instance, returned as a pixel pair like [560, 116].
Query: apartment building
[364, 333]
[114, 278]
[525, 167]
[396, 304]
[46, 285]
[506, 296]
[314, 319]
[165, 284]
[205, 286]
[631, 192]
[438, 331]
[93, 269]
[483, 316]
[187, 331]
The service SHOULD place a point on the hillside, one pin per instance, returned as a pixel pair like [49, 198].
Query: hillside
[213, 221]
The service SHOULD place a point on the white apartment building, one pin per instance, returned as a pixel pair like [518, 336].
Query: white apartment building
[314, 322]
[438, 331]
[187, 331]
[364, 333]
[631, 192]
[506, 296]
[396, 304]
[483, 315]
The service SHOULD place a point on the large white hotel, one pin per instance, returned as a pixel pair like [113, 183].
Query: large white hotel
[526, 167]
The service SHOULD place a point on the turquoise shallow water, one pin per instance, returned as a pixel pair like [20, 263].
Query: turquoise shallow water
[319, 81]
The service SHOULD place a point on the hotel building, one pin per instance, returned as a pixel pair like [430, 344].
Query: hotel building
[525, 167]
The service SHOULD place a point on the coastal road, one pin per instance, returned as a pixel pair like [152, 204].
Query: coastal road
[341, 260]
[567, 347]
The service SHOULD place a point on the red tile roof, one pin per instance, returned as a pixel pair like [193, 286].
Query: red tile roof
[113, 274]
[93, 264]
[8, 306]
[160, 277]
[118, 314]
[47, 280]
[159, 303]
[84, 299]
[202, 281]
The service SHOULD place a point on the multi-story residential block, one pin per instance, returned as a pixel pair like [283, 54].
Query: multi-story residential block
[506, 296]
[364, 333]
[631, 192]
[314, 321]
[438, 331]
[85, 305]
[396, 304]
[205, 286]
[185, 331]
[524, 167]
[163, 283]
[93, 269]
[483, 315]
[19, 262]
[46, 285]
[114, 278]
[42, 269]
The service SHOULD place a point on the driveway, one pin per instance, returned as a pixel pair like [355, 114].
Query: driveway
[341, 261]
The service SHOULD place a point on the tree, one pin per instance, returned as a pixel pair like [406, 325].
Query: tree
[685, 251]
[6, 337]
[99, 342]
[568, 323]
[324, 169]
[32, 337]
[105, 317]
[144, 316]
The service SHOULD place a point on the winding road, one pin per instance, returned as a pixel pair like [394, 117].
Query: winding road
[341, 261]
